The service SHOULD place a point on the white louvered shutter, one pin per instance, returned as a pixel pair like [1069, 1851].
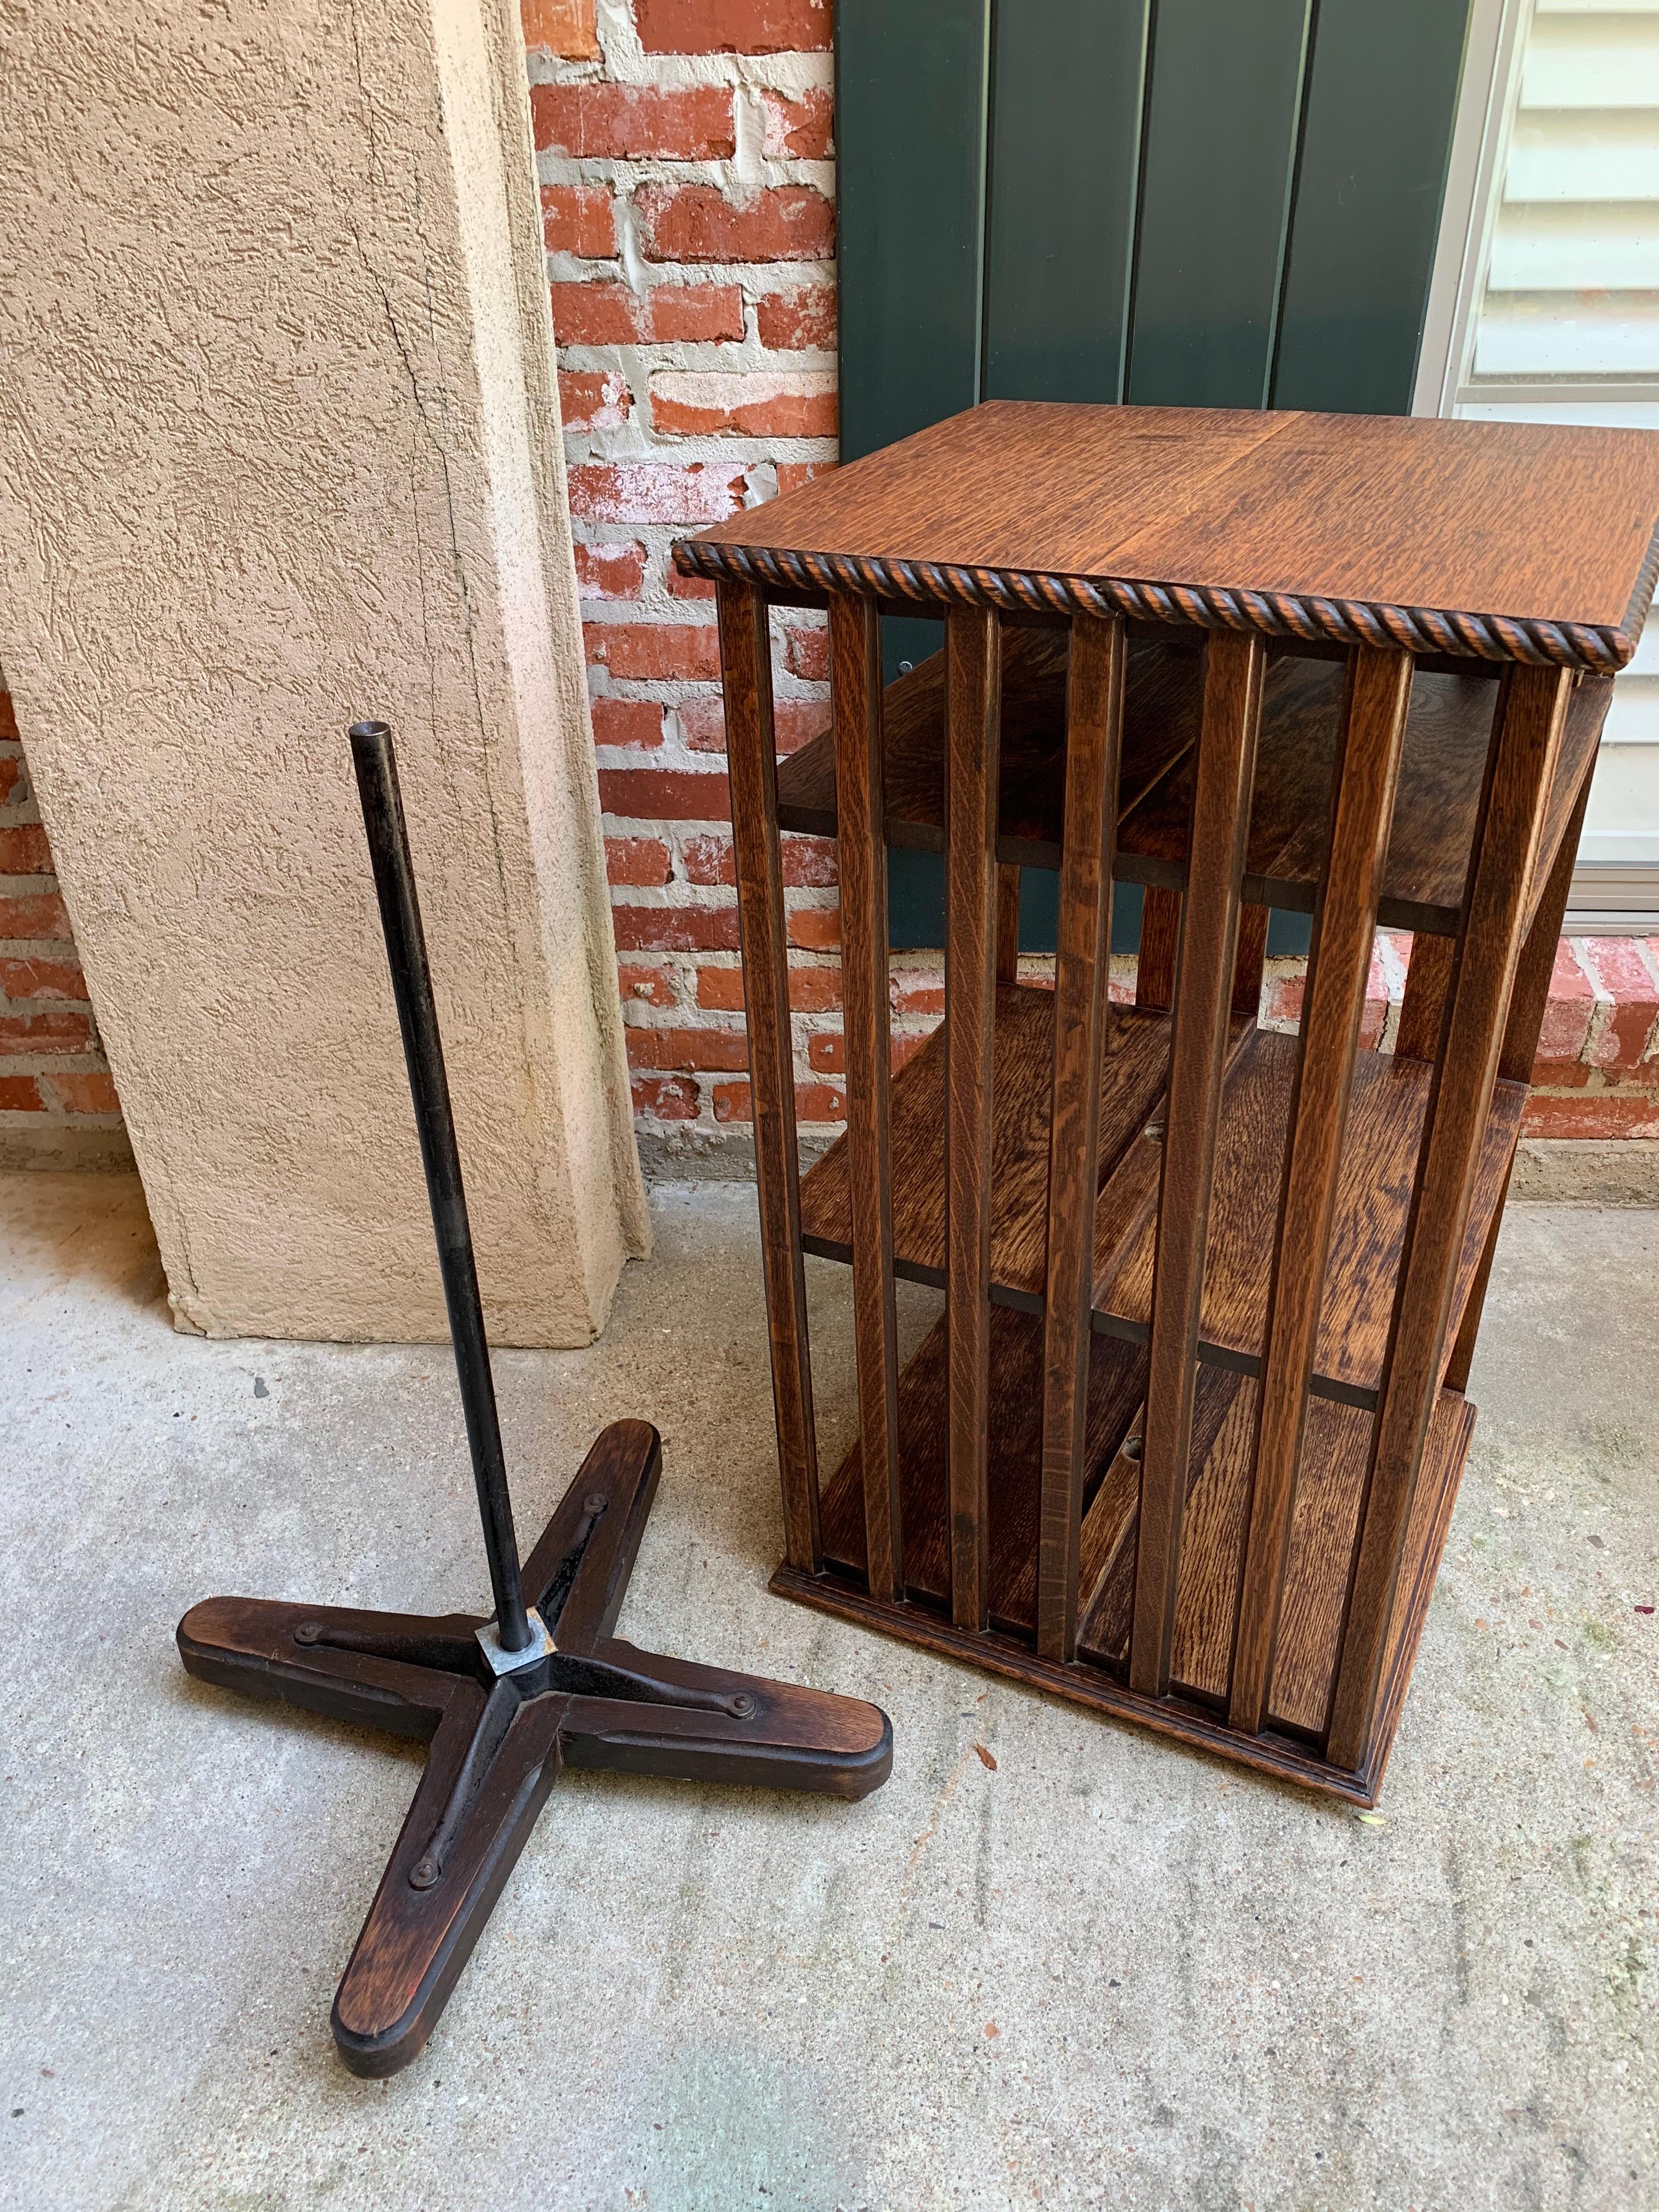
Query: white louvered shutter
[1566, 330]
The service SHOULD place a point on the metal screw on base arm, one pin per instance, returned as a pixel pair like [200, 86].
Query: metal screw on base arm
[417, 1017]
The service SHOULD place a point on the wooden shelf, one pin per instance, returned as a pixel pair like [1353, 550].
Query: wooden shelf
[1162, 698]
[1387, 1104]
[1134, 1067]
[1440, 777]
[1322, 1535]
[1442, 766]
[1323, 1528]
[1388, 1101]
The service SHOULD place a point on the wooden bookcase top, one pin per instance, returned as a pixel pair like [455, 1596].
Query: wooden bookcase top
[1505, 541]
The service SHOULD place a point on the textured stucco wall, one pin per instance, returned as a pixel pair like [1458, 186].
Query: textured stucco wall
[279, 448]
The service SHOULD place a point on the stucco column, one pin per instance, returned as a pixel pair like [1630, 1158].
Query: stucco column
[279, 448]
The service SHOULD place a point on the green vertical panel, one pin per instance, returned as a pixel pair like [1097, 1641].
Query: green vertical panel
[911, 92]
[1381, 97]
[1067, 88]
[1220, 155]
[1039, 913]
[910, 96]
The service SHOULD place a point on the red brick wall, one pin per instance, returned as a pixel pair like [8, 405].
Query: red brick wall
[683, 148]
[58, 1104]
[688, 185]
[1597, 1070]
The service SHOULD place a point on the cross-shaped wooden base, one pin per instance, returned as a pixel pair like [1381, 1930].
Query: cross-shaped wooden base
[498, 1741]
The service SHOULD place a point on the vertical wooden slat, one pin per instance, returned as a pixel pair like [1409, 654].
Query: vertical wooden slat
[751, 763]
[1007, 923]
[1250, 959]
[1529, 1003]
[1344, 926]
[1094, 725]
[1423, 1007]
[861, 845]
[973, 650]
[1530, 998]
[1155, 964]
[1209, 932]
[1532, 709]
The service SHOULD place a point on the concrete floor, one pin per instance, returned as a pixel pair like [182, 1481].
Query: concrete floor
[1100, 1972]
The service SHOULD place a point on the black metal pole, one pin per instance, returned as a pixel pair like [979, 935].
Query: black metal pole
[411, 986]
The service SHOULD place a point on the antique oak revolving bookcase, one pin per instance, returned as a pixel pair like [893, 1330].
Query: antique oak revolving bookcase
[1185, 1443]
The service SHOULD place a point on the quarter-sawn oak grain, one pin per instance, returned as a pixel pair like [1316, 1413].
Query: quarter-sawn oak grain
[855, 680]
[1235, 668]
[1345, 924]
[1094, 732]
[972, 659]
[751, 763]
[1185, 1445]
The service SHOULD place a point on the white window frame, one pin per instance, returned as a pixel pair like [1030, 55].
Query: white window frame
[1487, 94]
[1609, 894]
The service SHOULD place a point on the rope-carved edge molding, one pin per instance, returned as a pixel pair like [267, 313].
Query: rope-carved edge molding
[1279, 614]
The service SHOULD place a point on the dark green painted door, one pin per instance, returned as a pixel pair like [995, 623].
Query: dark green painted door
[1223, 100]
[1204, 202]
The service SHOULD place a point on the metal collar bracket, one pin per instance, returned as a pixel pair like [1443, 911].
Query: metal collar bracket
[541, 1645]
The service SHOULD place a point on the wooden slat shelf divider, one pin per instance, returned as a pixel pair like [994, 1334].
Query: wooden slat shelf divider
[1364, 782]
[1134, 1066]
[751, 759]
[1082, 996]
[855, 677]
[1387, 1105]
[1379, 1158]
[1445, 752]
[973, 666]
[1205, 957]
[1184, 1445]
[1117, 1384]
